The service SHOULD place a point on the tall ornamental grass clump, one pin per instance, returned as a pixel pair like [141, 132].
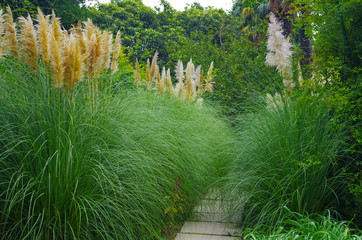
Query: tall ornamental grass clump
[287, 159]
[125, 167]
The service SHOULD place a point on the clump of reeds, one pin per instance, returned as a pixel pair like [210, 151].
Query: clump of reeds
[70, 55]
[190, 81]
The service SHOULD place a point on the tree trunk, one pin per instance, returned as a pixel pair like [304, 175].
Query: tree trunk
[305, 47]
[282, 11]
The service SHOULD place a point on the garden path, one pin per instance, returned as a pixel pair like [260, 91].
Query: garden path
[209, 221]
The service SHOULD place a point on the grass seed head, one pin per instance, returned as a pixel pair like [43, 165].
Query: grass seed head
[106, 49]
[180, 89]
[43, 36]
[163, 81]
[28, 46]
[9, 42]
[136, 73]
[208, 86]
[158, 78]
[57, 31]
[200, 87]
[116, 52]
[73, 62]
[56, 61]
[153, 66]
[148, 71]
[170, 88]
[190, 84]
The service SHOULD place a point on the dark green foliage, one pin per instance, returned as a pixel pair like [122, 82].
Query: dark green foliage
[70, 11]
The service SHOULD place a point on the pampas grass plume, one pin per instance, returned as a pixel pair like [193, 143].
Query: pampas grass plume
[197, 75]
[116, 52]
[28, 47]
[57, 31]
[190, 84]
[152, 70]
[9, 41]
[148, 71]
[106, 49]
[158, 78]
[43, 36]
[162, 87]
[56, 61]
[136, 73]
[200, 87]
[208, 86]
[179, 89]
[170, 88]
[280, 51]
[72, 61]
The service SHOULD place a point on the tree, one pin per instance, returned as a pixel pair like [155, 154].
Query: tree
[70, 11]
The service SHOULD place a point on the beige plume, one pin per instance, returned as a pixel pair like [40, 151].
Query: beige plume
[170, 88]
[9, 42]
[28, 46]
[116, 52]
[43, 36]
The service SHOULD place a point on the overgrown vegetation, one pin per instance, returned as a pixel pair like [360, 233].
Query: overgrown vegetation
[81, 161]
[91, 149]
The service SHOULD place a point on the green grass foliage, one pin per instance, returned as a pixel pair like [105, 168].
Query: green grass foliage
[297, 226]
[125, 167]
[287, 156]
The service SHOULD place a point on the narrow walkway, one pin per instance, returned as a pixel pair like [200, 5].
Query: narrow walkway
[209, 222]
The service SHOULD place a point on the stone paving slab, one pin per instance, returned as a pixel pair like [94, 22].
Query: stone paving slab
[209, 221]
[209, 217]
[184, 236]
[212, 228]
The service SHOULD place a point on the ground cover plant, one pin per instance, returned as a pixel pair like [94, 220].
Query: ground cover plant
[88, 161]
[297, 226]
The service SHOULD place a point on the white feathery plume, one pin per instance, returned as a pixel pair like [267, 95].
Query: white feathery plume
[162, 87]
[169, 82]
[180, 89]
[197, 75]
[280, 51]
[208, 86]
[190, 83]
